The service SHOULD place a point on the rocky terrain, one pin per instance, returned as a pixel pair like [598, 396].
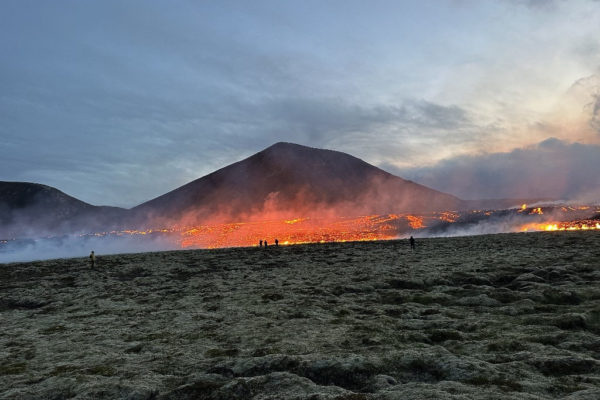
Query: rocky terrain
[510, 316]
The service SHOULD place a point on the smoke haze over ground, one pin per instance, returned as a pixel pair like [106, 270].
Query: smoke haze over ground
[69, 246]
[307, 229]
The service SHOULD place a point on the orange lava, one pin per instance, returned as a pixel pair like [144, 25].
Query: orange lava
[291, 231]
[415, 222]
[583, 225]
[449, 216]
[314, 229]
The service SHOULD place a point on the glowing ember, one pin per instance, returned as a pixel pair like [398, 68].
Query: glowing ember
[537, 210]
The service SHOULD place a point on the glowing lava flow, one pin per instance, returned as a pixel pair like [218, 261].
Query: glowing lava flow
[584, 225]
[293, 231]
[415, 222]
[314, 229]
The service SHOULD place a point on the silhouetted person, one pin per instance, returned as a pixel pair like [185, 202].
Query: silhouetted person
[92, 259]
[276, 242]
[412, 242]
[265, 244]
[260, 243]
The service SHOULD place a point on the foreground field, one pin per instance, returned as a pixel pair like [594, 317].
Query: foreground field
[482, 317]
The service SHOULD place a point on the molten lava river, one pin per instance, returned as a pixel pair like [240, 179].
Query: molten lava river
[310, 230]
[371, 227]
[294, 231]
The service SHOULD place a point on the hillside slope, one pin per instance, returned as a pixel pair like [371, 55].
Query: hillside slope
[32, 210]
[293, 179]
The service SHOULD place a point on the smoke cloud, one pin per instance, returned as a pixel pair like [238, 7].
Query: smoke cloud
[554, 169]
[71, 246]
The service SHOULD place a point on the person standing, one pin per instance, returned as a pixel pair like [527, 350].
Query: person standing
[412, 243]
[92, 259]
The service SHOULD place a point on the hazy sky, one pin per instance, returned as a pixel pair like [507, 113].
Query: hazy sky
[117, 102]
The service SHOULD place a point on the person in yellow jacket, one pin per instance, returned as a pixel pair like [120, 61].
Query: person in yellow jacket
[92, 259]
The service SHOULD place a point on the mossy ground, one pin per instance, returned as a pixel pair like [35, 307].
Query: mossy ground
[496, 316]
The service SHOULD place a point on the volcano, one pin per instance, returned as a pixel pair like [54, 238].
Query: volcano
[285, 181]
[33, 210]
[290, 179]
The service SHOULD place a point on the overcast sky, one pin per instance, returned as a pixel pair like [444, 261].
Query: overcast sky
[117, 102]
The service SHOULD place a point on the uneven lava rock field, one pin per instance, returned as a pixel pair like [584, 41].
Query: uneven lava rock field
[511, 316]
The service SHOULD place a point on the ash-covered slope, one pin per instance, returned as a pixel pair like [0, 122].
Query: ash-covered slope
[31, 209]
[295, 179]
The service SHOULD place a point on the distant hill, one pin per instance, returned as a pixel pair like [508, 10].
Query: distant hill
[299, 180]
[31, 209]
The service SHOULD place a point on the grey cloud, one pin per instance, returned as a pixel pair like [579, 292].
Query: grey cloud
[325, 119]
[595, 119]
[114, 108]
[547, 5]
[117, 102]
[144, 140]
[551, 169]
[122, 100]
[586, 92]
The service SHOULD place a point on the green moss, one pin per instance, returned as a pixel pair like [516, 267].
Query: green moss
[53, 329]
[63, 369]
[263, 351]
[443, 335]
[342, 312]
[103, 370]
[212, 353]
[507, 346]
[157, 336]
[571, 322]
[353, 396]
[427, 299]
[13, 369]
[191, 336]
[504, 384]
[549, 340]
[135, 349]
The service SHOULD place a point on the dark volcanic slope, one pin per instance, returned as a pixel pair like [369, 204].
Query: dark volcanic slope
[25, 195]
[27, 208]
[288, 176]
